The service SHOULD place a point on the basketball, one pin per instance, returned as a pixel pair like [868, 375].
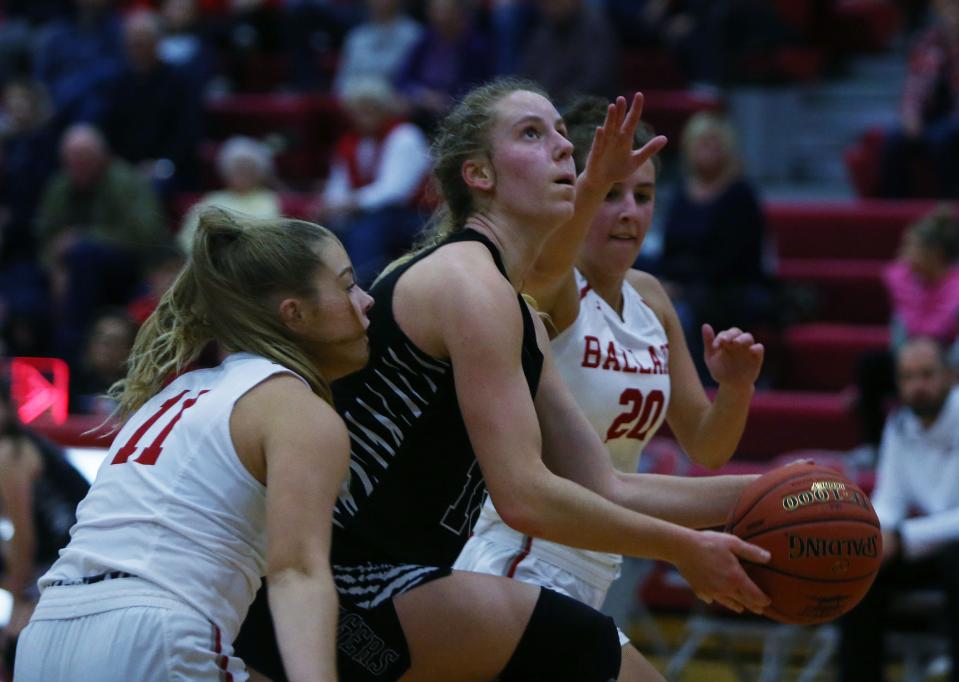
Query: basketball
[823, 535]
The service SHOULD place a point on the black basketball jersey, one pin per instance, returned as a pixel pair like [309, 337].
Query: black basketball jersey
[56, 493]
[415, 486]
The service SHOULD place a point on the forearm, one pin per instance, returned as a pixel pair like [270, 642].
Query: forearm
[304, 608]
[716, 436]
[559, 510]
[702, 502]
[923, 535]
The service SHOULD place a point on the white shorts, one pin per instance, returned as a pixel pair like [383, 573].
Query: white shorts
[481, 555]
[163, 639]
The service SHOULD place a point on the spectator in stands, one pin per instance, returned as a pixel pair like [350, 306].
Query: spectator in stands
[23, 24]
[79, 60]
[246, 35]
[314, 30]
[39, 493]
[510, 22]
[246, 170]
[184, 45]
[28, 157]
[378, 171]
[923, 287]
[154, 117]
[713, 260]
[96, 220]
[104, 362]
[450, 57]
[929, 113]
[380, 46]
[918, 472]
[573, 49]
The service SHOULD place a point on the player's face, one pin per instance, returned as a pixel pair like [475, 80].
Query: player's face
[338, 316]
[532, 159]
[617, 233]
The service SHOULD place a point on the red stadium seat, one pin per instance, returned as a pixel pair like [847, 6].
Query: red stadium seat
[854, 230]
[823, 357]
[844, 290]
[780, 421]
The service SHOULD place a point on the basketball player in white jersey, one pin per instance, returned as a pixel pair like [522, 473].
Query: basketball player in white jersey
[218, 477]
[619, 346]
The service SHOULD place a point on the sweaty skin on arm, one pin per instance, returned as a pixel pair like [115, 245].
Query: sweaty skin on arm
[297, 445]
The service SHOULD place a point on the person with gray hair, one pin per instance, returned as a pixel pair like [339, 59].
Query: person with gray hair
[379, 169]
[245, 166]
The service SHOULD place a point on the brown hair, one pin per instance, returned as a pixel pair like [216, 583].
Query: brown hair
[938, 231]
[227, 292]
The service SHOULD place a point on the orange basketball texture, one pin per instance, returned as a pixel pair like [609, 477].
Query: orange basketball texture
[823, 535]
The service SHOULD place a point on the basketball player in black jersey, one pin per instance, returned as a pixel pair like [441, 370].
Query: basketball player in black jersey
[461, 396]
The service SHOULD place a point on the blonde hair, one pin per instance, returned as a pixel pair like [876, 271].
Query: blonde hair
[707, 122]
[228, 293]
[463, 134]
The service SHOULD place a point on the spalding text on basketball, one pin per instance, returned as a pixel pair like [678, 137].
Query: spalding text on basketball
[801, 546]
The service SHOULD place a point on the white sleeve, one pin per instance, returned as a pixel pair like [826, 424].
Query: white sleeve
[403, 165]
[889, 498]
[924, 534]
[337, 188]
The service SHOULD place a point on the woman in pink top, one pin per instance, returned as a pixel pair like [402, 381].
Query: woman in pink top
[923, 282]
[923, 287]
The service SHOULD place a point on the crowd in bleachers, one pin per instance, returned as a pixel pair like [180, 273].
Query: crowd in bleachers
[120, 119]
[119, 115]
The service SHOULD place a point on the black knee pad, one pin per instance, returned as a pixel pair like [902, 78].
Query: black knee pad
[565, 640]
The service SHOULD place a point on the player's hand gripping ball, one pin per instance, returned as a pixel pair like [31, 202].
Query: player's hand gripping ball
[823, 535]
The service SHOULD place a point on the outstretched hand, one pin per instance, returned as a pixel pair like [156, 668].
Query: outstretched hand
[733, 357]
[714, 572]
[612, 158]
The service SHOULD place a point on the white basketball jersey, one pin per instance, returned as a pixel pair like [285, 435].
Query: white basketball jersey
[617, 369]
[173, 504]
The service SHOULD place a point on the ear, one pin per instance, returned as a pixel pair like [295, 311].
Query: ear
[291, 314]
[478, 174]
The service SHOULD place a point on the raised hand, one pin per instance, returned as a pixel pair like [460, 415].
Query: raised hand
[612, 157]
[733, 357]
[712, 569]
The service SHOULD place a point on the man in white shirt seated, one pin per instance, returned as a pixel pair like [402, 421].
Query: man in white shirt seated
[917, 500]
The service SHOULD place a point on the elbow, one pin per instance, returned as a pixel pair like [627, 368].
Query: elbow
[712, 455]
[519, 514]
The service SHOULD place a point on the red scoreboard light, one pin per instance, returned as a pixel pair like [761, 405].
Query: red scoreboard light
[38, 386]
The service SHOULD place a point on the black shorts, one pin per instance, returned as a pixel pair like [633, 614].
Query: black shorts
[371, 646]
